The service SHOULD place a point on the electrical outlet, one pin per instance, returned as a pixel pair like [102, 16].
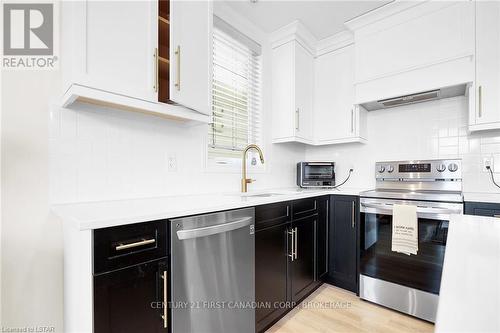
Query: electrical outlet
[488, 162]
[172, 163]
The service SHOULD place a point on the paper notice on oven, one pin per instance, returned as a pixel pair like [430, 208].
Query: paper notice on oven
[404, 229]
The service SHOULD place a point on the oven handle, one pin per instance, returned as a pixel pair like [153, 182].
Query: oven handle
[388, 208]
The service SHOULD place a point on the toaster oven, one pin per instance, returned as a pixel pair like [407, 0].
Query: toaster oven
[315, 174]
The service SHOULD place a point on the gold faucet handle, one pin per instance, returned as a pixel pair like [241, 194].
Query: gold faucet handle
[248, 180]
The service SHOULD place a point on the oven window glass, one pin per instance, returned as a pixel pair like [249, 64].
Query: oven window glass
[318, 172]
[421, 271]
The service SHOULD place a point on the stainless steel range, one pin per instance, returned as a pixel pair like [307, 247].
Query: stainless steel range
[408, 283]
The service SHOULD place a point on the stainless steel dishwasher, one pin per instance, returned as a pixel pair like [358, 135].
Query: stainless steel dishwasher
[213, 280]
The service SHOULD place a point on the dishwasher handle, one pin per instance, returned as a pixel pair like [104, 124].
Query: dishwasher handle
[215, 229]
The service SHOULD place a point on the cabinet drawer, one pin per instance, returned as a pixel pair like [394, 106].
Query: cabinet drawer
[123, 246]
[272, 214]
[304, 207]
[482, 209]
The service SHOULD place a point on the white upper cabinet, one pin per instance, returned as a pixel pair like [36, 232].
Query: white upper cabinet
[336, 118]
[191, 54]
[407, 47]
[109, 46]
[149, 56]
[484, 95]
[292, 90]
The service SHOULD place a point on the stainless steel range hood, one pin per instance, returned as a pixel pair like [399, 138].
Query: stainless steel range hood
[420, 97]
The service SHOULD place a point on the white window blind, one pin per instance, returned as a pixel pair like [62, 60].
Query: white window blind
[235, 95]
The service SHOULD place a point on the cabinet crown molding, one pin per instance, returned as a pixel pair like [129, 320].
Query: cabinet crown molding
[297, 31]
[335, 42]
[294, 31]
[380, 13]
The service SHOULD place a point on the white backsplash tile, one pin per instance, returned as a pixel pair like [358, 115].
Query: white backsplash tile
[103, 154]
[429, 130]
[99, 154]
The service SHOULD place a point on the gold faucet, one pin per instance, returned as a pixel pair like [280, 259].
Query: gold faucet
[244, 180]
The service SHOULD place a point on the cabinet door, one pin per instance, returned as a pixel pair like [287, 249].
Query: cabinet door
[130, 300]
[114, 46]
[302, 278]
[342, 243]
[487, 109]
[284, 120]
[270, 274]
[322, 238]
[191, 54]
[334, 117]
[304, 73]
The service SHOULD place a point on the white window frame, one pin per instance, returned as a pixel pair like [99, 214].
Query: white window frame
[230, 164]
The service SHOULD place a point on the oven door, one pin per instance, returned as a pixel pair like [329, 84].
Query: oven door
[421, 271]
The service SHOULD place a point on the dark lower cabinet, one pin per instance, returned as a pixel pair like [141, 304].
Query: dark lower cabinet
[271, 274]
[322, 237]
[290, 240]
[482, 209]
[130, 276]
[302, 274]
[342, 253]
[130, 299]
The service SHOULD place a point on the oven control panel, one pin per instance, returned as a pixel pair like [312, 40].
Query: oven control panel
[450, 169]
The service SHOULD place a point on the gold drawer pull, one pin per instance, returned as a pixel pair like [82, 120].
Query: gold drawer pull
[178, 55]
[157, 72]
[165, 300]
[122, 247]
[480, 93]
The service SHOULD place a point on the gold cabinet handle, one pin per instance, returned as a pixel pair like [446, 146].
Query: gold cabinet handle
[296, 243]
[122, 247]
[297, 119]
[156, 70]
[165, 300]
[178, 56]
[352, 121]
[480, 103]
[353, 222]
[292, 255]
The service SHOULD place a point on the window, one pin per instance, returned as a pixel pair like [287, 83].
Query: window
[235, 95]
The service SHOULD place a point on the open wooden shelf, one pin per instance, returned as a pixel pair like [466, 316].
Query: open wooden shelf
[164, 69]
[164, 51]
[164, 60]
[164, 20]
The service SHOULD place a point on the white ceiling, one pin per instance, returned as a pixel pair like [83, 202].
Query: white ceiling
[322, 18]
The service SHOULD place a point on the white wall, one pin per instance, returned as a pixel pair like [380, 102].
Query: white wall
[429, 130]
[31, 276]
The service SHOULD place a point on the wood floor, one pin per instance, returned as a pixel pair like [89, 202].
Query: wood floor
[331, 309]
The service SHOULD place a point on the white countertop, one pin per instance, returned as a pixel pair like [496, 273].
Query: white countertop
[469, 299]
[482, 197]
[102, 214]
